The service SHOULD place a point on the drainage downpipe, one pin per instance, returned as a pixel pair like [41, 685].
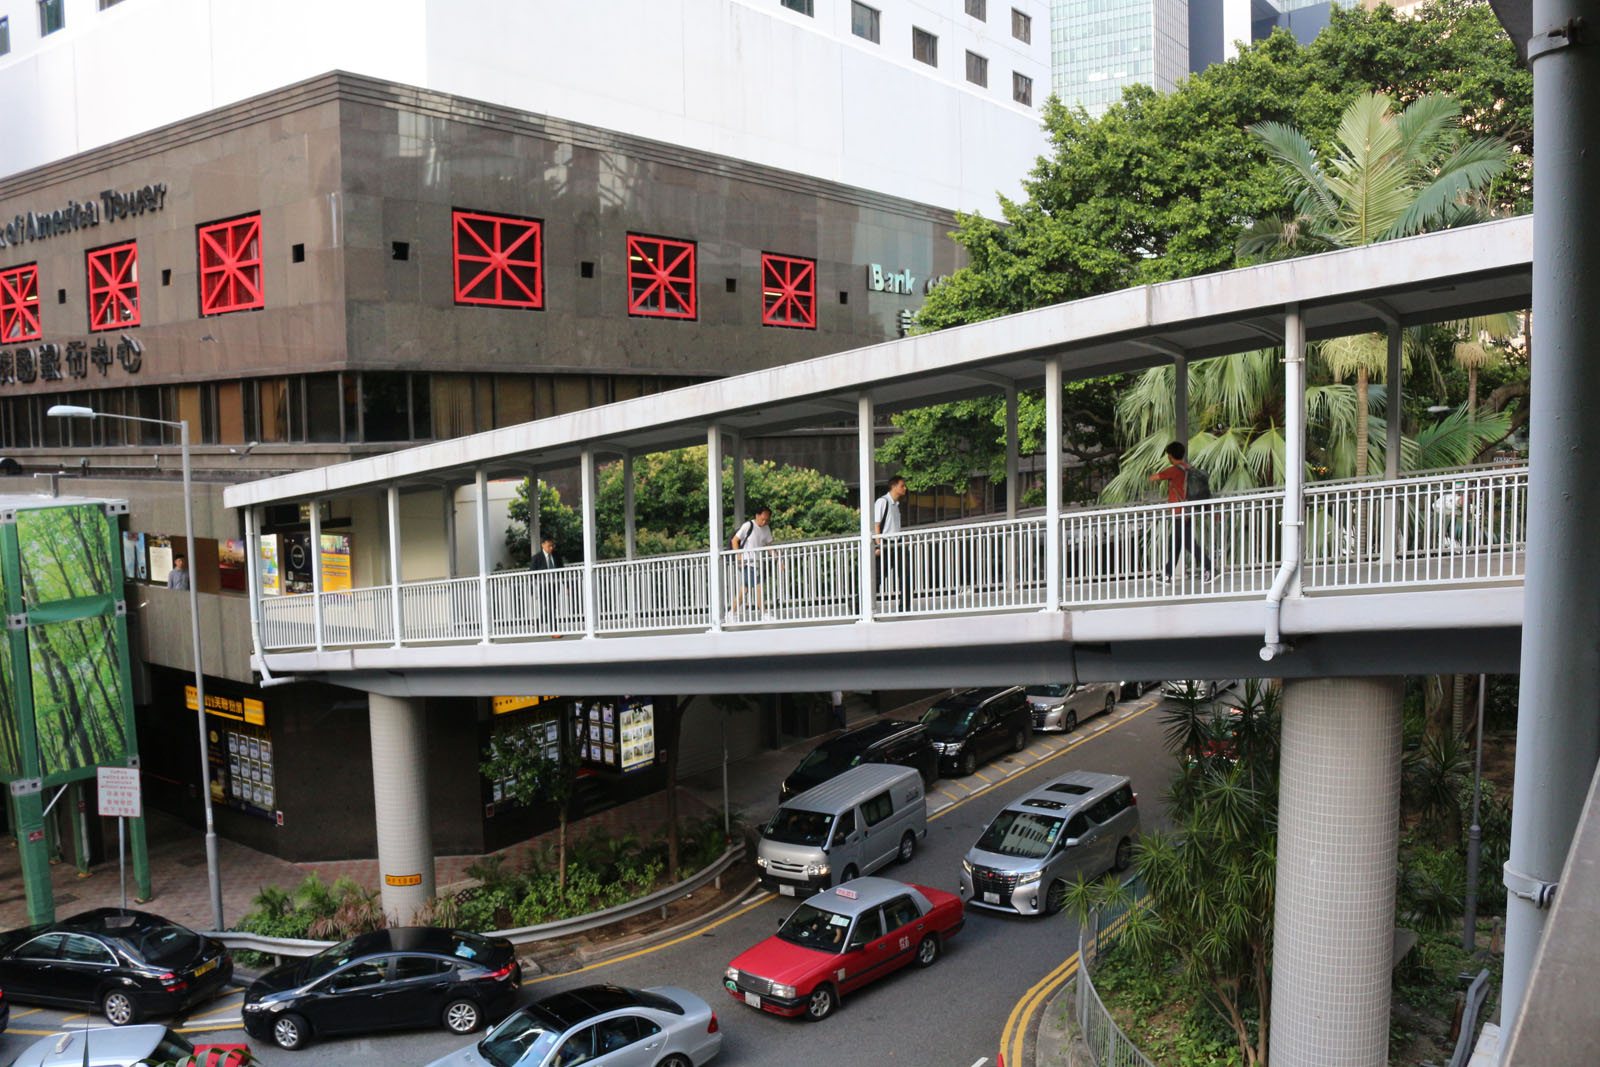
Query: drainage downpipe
[1294, 478]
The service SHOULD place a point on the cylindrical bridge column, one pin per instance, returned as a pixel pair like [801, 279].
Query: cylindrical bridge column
[400, 804]
[1338, 832]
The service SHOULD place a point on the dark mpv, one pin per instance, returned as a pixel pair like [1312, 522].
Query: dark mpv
[976, 725]
[885, 741]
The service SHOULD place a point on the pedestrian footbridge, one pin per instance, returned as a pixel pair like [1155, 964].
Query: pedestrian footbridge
[1405, 572]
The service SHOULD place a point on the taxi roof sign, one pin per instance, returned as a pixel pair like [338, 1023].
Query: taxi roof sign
[848, 894]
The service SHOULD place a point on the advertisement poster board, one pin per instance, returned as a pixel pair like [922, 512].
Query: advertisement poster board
[267, 565]
[132, 555]
[231, 574]
[160, 552]
[239, 750]
[335, 563]
[636, 725]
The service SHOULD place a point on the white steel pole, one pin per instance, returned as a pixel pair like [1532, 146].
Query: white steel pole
[396, 617]
[864, 451]
[714, 524]
[629, 530]
[1052, 488]
[315, 535]
[213, 876]
[590, 603]
[1012, 493]
[481, 485]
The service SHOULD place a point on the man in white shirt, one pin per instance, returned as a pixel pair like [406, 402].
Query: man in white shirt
[750, 539]
[886, 520]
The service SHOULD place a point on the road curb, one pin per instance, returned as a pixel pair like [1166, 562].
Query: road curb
[591, 955]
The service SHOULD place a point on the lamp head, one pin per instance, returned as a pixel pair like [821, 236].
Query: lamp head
[70, 411]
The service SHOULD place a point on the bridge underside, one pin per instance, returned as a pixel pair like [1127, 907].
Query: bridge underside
[1381, 633]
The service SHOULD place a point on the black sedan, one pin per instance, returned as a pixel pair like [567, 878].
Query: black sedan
[388, 979]
[127, 964]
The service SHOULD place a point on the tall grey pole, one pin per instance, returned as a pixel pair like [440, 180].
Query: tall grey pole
[1469, 925]
[1052, 485]
[866, 584]
[1558, 716]
[212, 875]
[1012, 494]
[1180, 398]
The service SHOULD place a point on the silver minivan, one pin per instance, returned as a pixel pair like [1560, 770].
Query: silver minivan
[1062, 707]
[848, 826]
[1080, 823]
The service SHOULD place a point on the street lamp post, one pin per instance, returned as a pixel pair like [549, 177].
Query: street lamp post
[72, 411]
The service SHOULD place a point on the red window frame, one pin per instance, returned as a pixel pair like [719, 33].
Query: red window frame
[661, 277]
[230, 265]
[788, 291]
[19, 303]
[113, 286]
[498, 259]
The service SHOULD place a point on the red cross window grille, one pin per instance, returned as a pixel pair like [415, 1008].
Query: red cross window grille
[788, 291]
[19, 304]
[661, 277]
[230, 266]
[114, 287]
[499, 260]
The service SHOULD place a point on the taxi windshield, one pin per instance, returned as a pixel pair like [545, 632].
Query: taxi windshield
[1021, 833]
[812, 927]
[947, 722]
[522, 1040]
[792, 826]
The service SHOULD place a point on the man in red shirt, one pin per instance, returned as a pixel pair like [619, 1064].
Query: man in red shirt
[1176, 475]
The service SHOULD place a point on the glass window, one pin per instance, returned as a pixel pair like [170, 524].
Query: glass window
[5, 36]
[273, 407]
[52, 16]
[1077, 826]
[350, 393]
[877, 809]
[978, 9]
[869, 927]
[579, 1048]
[901, 911]
[499, 260]
[45, 947]
[571, 393]
[513, 399]
[19, 303]
[977, 69]
[421, 407]
[323, 407]
[661, 277]
[384, 406]
[407, 967]
[230, 265]
[613, 1035]
[230, 413]
[805, 7]
[924, 47]
[788, 291]
[864, 21]
[1021, 26]
[79, 949]
[1022, 89]
[452, 405]
[845, 825]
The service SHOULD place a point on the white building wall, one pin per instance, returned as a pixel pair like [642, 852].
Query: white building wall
[743, 78]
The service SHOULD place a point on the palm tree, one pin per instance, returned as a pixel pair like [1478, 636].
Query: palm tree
[1391, 175]
[1479, 345]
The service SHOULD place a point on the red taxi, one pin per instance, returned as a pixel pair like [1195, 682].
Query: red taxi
[840, 940]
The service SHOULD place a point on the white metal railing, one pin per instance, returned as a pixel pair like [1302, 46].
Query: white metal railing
[1450, 528]
[1226, 547]
[653, 593]
[1108, 1045]
[441, 610]
[797, 581]
[1453, 527]
[536, 603]
[974, 566]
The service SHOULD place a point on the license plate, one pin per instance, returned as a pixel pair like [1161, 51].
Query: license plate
[991, 898]
[752, 1000]
[204, 967]
[786, 890]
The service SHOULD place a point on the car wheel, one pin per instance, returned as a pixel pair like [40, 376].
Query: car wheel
[462, 1016]
[908, 847]
[119, 1008]
[1070, 723]
[927, 950]
[1111, 702]
[850, 874]
[969, 763]
[821, 1002]
[676, 1060]
[290, 1032]
[1124, 855]
[1055, 897]
[1019, 740]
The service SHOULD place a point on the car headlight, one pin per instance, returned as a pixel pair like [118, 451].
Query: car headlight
[782, 990]
[1029, 877]
[817, 868]
[761, 861]
[954, 747]
[255, 1007]
[966, 865]
[731, 974]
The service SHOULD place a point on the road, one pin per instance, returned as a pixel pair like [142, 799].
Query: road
[950, 1015]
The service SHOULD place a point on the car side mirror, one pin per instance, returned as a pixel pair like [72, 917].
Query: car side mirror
[1069, 842]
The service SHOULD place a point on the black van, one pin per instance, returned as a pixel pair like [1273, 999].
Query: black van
[976, 725]
[885, 741]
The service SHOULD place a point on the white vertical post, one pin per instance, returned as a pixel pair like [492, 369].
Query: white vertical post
[316, 571]
[714, 524]
[1294, 446]
[864, 450]
[395, 556]
[535, 534]
[1180, 398]
[1052, 488]
[1011, 451]
[1392, 427]
[252, 570]
[629, 531]
[481, 484]
[590, 602]
[736, 445]
[449, 492]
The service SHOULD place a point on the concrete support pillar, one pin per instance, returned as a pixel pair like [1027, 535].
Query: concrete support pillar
[1180, 398]
[1558, 717]
[1052, 487]
[591, 540]
[864, 456]
[714, 524]
[1338, 835]
[400, 804]
[629, 527]
[1012, 493]
[315, 549]
[1394, 375]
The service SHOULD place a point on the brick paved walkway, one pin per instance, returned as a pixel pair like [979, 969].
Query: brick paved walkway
[178, 866]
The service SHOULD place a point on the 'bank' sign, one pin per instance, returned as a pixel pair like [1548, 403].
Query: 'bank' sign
[889, 281]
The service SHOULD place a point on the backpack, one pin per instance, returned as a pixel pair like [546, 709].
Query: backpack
[743, 532]
[1196, 486]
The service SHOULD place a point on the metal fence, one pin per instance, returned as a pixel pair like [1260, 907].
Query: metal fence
[1106, 1042]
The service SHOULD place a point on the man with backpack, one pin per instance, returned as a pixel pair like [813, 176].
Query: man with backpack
[750, 539]
[1184, 484]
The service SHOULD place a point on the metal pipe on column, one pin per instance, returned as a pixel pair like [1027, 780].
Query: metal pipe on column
[714, 525]
[586, 474]
[1558, 727]
[1011, 452]
[396, 578]
[864, 459]
[316, 574]
[629, 531]
[481, 517]
[535, 530]
[1052, 487]
[1287, 580]
[1180, 398]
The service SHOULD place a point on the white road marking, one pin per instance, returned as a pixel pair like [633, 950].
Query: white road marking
[981, 1061]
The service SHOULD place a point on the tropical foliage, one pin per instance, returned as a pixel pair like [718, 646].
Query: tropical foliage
[516, 757]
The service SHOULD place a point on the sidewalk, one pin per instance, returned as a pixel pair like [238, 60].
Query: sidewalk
[178, 860]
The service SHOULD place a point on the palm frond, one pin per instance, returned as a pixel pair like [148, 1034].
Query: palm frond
[1424, 122]
[1290, 149]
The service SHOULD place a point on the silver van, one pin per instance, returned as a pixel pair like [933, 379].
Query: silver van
[848, 826]
[1081, 823]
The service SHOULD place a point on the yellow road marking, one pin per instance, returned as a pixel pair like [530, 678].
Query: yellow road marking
[764, 898]
[1065, 748]
[941, 789]
[219, 1011]
[985, 777]
[70, 1018]
[30, 1011]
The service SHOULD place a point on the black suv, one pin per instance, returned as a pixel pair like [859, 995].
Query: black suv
[975, 725]
[884, 741]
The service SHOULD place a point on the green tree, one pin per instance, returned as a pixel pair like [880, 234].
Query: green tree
[516, 758]
[556, 519]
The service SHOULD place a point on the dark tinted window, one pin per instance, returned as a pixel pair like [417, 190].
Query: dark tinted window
[162, 943]
[385, 407]
[45, 947]
[579, 1048]
[877, 809]
[845, 825]
[792, 826]
[172, 1048]
[614, 1034]
[1109, 806]
[419, 967]
[901, 911]
[361, 975]
[868, 929]
[79, 949]
[1077, 826]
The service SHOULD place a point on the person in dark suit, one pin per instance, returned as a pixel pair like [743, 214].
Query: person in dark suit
[546, 594]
